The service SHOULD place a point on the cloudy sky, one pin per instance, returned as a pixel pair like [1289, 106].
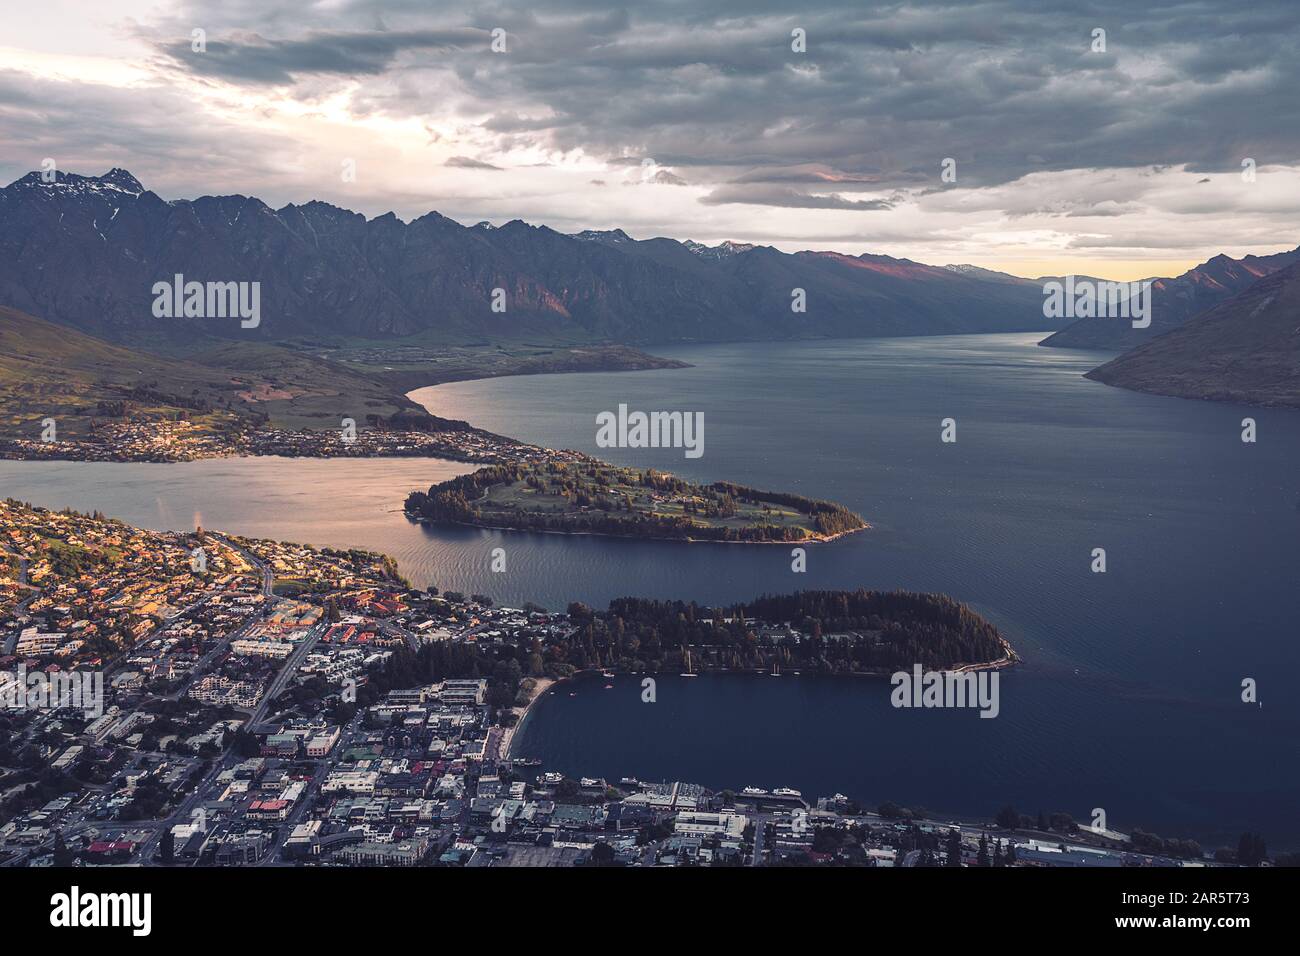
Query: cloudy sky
[697, 119]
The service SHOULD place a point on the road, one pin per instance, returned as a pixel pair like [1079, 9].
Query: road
[268, 579]
[309, 794]
[285, 674]
[761, 820]
[393, 629]
[12, 641]
[185, 810]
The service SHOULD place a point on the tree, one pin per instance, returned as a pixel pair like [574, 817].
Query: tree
[953, 850]
[602, 854]
[246, 744]
[62, 855]
[1008, 818]
[567, 789]
[983, 858]
[167, 846]
[892, 811]
[1251, 850]
[1063, 823]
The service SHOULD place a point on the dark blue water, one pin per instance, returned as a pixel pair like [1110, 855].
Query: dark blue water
[1129, 697]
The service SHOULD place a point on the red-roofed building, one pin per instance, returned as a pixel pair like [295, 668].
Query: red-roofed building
[114, 849]
[268, 810]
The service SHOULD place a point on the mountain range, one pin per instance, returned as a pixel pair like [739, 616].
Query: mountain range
[1173, 302]
[86, 251]
[1245, 349]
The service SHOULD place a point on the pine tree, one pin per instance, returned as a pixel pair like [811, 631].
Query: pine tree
[62, 855]
[953, 849]
[1251, 850]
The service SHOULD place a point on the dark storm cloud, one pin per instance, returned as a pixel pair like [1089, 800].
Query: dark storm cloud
[883, 95]
[711, 91]
[252, 58]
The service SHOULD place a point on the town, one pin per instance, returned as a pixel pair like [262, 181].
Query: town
[153, 440]
[272, 704]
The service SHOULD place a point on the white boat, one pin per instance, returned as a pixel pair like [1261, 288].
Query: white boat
[754, 792]
[786, 792]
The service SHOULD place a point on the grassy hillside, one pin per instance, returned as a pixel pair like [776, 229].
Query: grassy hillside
[50, 371]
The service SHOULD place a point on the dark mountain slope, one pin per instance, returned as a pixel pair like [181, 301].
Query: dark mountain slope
[1246, 349]
[1173, 302]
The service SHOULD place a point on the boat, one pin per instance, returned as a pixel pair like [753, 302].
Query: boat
[754, 792]
[608, 675]
[609, 687]
[786, 792]
[690, 671]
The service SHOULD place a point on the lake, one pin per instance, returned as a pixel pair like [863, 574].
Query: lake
[1129, 698]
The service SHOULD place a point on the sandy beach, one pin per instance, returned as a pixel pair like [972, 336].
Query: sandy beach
[540, 686]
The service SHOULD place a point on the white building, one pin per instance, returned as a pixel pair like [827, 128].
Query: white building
[728, 826]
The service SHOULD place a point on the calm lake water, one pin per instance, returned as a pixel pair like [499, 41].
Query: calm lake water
[1129, 697]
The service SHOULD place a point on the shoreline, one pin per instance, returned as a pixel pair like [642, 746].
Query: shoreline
[233, 454]
[542, 685]
[816, 539]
